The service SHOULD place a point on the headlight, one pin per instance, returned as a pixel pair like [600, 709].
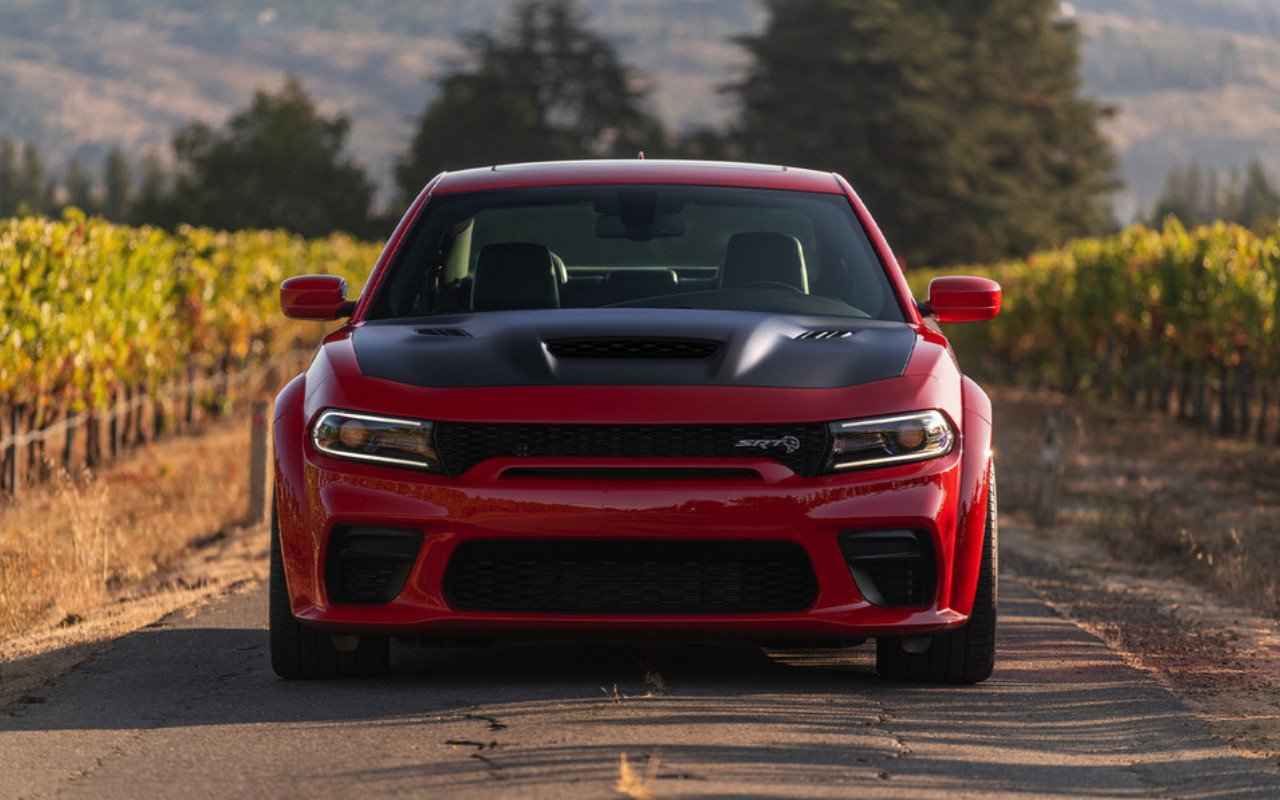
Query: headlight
[381, 440]
[890, 440]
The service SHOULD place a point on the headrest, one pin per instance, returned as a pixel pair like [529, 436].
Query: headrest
[515, 275]
[633, 284]
[761, 256]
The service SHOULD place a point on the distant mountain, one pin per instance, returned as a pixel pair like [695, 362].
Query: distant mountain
[1193, 79]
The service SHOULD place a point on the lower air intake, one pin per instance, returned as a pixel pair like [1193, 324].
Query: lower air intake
[369, 566]
[891, 568]
[562, 576]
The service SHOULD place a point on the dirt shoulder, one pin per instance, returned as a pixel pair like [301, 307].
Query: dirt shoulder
[227, 563]
[1163, 547]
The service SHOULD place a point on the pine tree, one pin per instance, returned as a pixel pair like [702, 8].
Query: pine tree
[959, 121]
[153, 204]
[279, 163]
[1047, 171]
[547, 87]
[8, 178]
[1259, 203]
[32, 185]
[117, 181]
[79, 188]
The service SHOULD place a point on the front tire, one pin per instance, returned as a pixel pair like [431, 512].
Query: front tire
[299, 652]
[968, 653]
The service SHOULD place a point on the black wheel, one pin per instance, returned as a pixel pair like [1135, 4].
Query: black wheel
[968, 653]
[299, 652]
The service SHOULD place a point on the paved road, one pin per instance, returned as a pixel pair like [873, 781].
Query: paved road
[189, 708]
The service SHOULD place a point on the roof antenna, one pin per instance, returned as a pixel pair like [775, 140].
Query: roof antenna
[640, 155]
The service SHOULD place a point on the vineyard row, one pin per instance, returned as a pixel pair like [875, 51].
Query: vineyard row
[1182, 321]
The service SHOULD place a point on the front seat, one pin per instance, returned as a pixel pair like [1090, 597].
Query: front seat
[763, 257]
[515, 275]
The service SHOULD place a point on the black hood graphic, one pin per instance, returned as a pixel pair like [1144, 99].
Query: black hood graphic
[632, 347]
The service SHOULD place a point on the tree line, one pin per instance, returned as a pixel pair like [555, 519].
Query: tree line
[1197, 196]
[961, 122]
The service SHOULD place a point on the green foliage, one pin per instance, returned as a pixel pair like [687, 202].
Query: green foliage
[278, 163]
[547, 88]
[1118, 309]
[86, 306]
[960, 121]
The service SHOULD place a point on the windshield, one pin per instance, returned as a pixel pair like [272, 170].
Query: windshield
[638, 247]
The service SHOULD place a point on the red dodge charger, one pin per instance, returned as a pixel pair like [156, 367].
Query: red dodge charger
[640, 399]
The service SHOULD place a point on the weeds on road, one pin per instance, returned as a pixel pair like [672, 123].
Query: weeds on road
[633, 784]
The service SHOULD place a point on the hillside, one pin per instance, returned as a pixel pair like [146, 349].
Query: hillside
[1192, 78]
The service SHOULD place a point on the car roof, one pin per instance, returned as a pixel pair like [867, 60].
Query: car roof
[638, 171]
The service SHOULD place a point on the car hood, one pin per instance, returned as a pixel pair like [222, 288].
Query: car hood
[632, 347]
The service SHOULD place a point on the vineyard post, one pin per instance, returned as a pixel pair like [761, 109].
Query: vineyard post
[190, 415]
[11, 452]
[69, 439]
[1226, 415]
[1046, 508]
[113, 426]
[258, 462]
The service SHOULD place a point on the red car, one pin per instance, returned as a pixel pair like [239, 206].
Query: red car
[635, 399]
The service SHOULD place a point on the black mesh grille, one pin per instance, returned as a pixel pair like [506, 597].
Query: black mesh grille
[892, 568]
[453, 333]
[463, 445]
[629, 576]
[369, 566]
[633, 347]
[631, 473]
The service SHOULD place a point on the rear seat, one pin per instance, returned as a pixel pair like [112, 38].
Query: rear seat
[623, 285]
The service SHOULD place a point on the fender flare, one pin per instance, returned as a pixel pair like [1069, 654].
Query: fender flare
[975, 481]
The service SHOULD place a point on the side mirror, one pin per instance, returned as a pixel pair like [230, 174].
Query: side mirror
[963, 299]
[315, 297]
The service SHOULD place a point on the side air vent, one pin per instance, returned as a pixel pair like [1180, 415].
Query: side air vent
[369, 566]
[891, 568]
[633, 347]
[453, 333]
[831, 334]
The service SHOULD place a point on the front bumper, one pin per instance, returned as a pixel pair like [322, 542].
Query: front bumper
[487, 503]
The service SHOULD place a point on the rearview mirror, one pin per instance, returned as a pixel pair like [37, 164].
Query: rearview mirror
[315, 297]
[964, 299]
[612, 226]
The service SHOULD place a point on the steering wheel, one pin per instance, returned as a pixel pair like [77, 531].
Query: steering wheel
[771, 285]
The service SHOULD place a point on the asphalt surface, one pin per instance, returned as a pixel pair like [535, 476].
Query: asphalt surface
[189, 708]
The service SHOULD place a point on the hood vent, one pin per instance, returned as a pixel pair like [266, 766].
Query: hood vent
[633, 347]
[443, 332]
[828, 334]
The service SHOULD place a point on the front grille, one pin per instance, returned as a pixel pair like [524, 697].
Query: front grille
[632, 473]
[461, 445]
[630, 576]
[633, 347]
[891, 568]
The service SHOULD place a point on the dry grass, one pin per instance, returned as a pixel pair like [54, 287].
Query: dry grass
[68, 547]
[1161, 497]
[636, 785]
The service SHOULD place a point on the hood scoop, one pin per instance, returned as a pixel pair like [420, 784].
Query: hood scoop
[827, 334]
[451, 333]
[646, 347]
